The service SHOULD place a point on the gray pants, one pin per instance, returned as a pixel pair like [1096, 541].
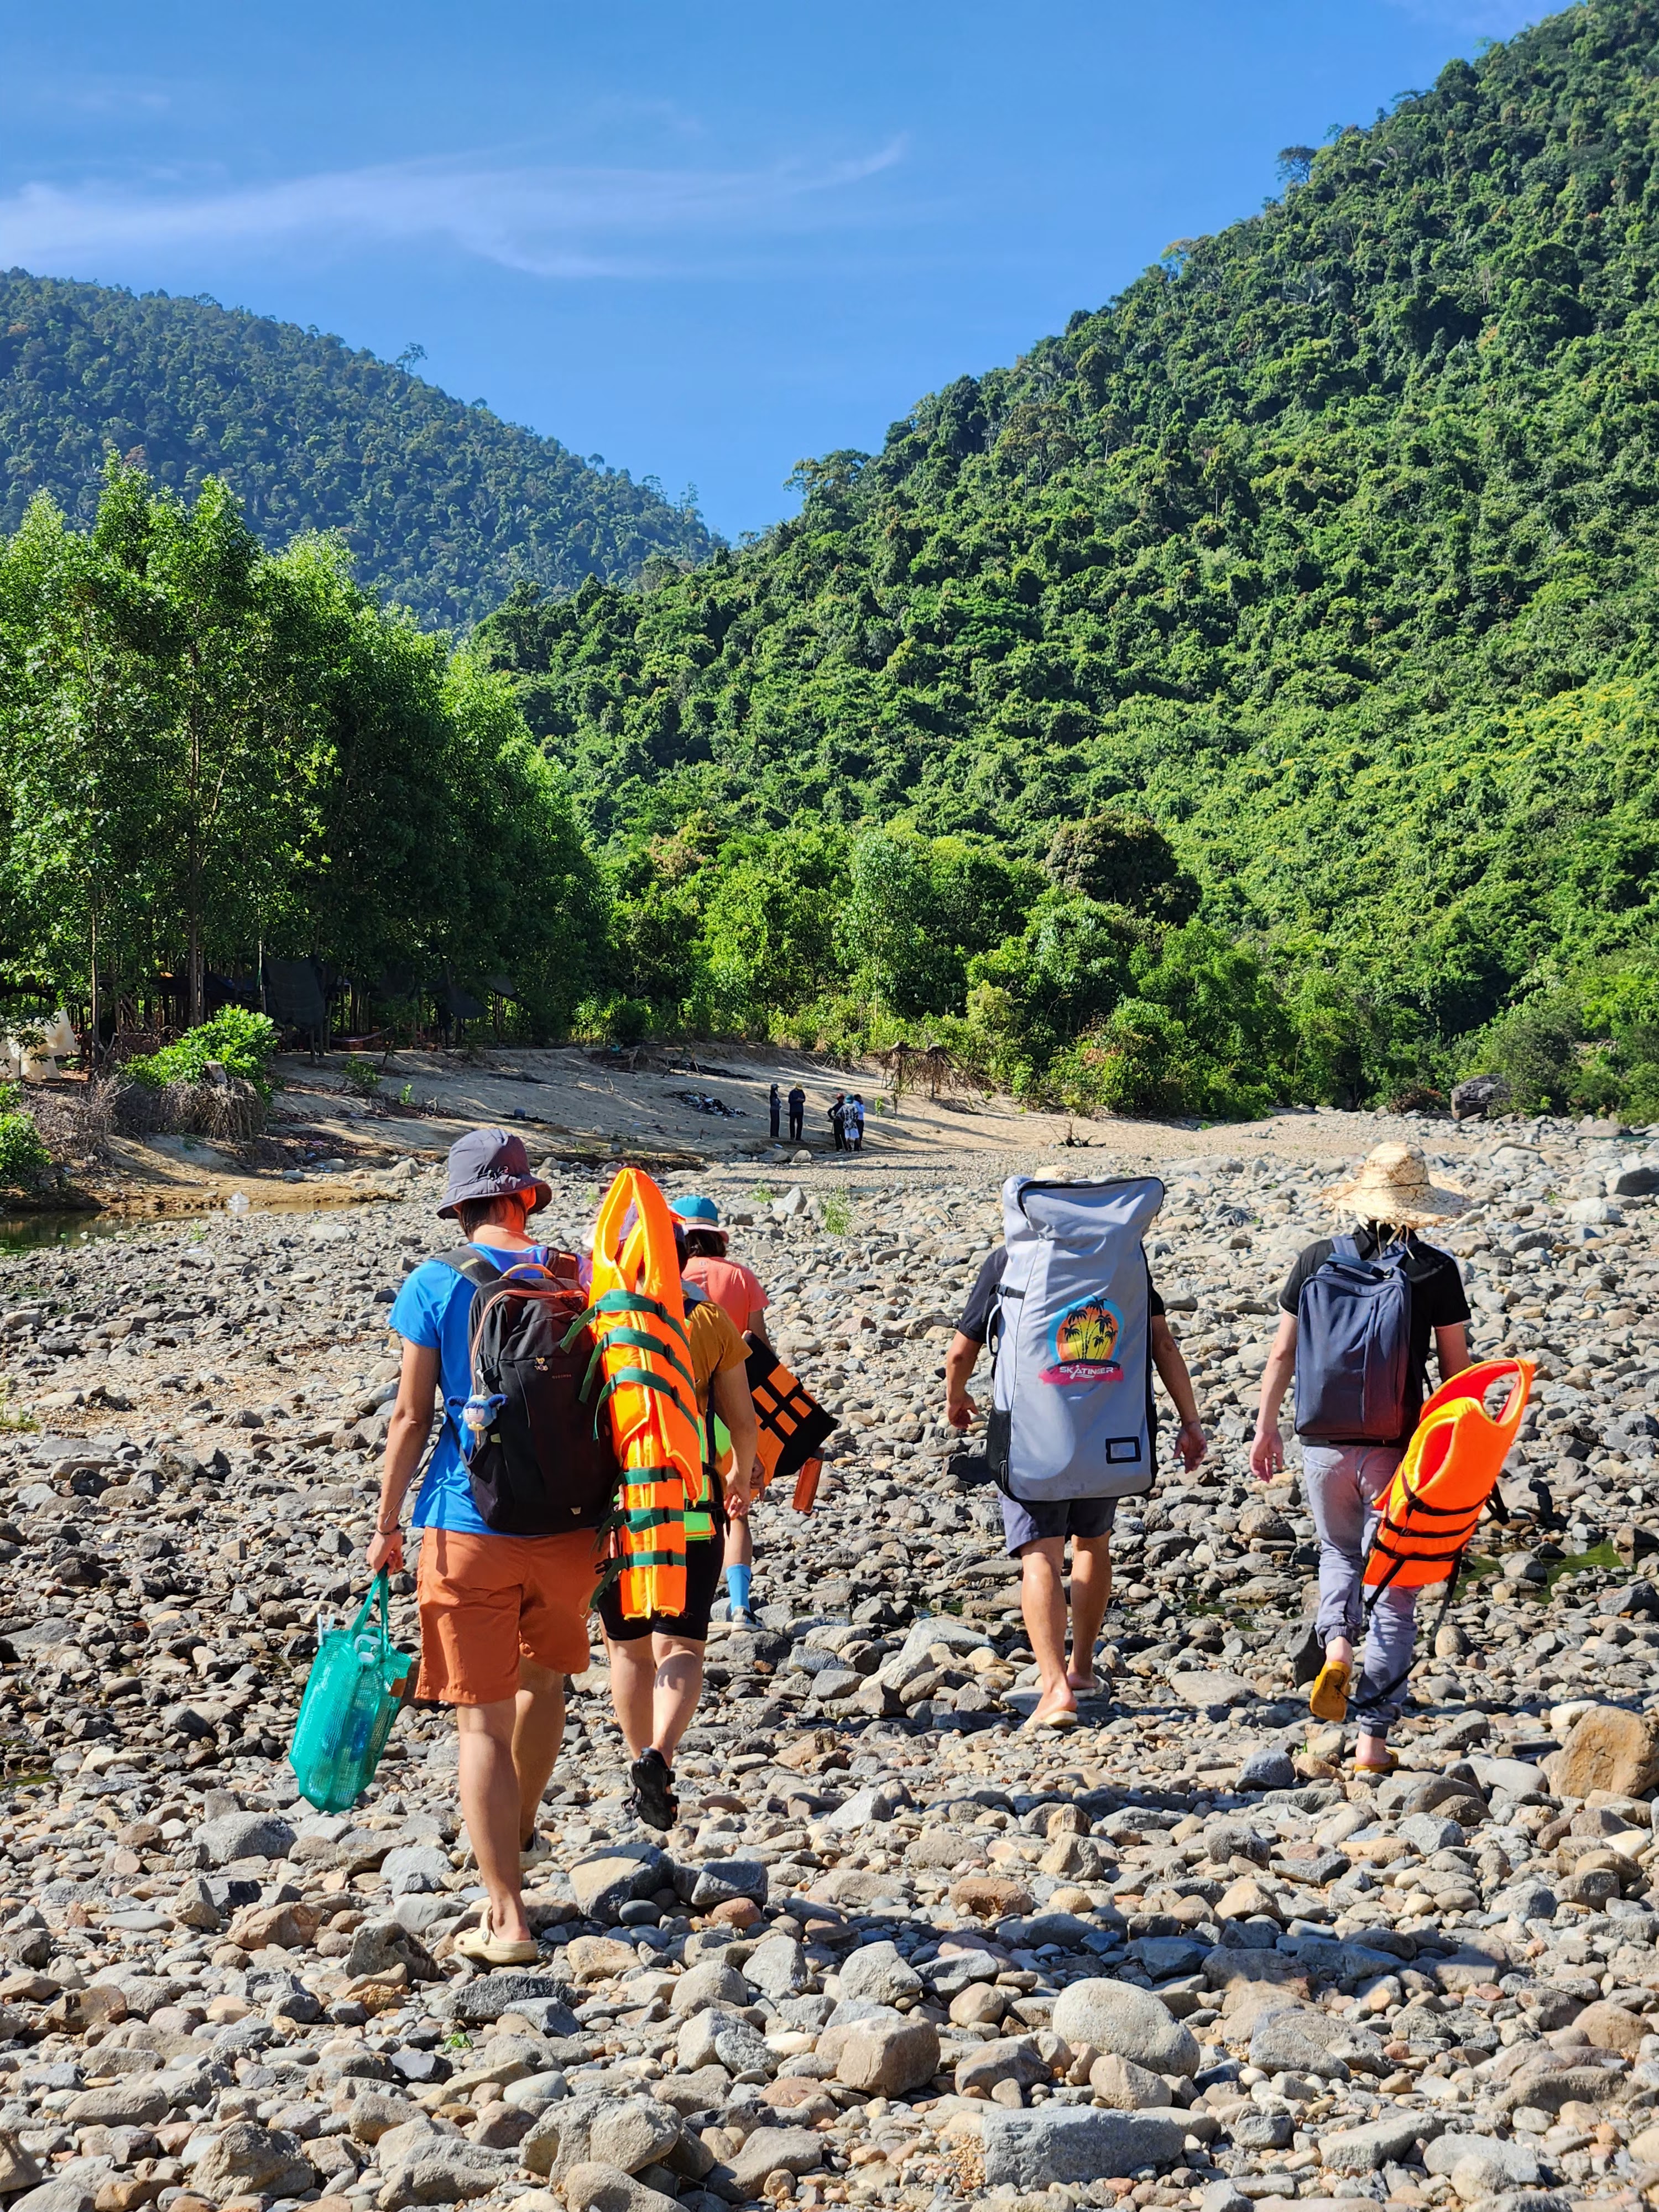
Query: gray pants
[1344, 1484]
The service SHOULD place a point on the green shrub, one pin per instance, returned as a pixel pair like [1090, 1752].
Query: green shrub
[362, 1076]
[242, 1042]
[22, 1155]
[1536, 1047]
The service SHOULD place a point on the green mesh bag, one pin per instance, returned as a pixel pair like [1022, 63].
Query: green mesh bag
[357, 1683]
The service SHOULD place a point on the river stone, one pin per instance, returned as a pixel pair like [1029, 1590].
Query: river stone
[1028, 2151]
[1126, 2086]
[634, 2134]
[603, 1885]
[594, 2186]
[1117, 2016]
[1608, 1748]
[441, 2171]
[247, 1836]
[876, 1970]
[1377, 2143]
[117, 2104]
[477, 2004]
[777, 1968]
[710, 1982]
[889, 2059]
[769, 2150]
[249, 2161]
[721, 1881]
[1516, 2161]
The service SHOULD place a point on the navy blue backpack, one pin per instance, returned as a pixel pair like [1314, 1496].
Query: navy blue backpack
[1353, 1347]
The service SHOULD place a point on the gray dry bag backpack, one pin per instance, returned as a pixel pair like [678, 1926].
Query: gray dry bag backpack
[1071, 1387]
[1353, 1347]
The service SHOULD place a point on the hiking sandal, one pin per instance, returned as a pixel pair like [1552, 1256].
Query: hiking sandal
[653, 1799]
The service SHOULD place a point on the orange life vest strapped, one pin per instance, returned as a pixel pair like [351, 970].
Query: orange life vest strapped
[1451, 1466]
[792, 1423]
[636, 1312]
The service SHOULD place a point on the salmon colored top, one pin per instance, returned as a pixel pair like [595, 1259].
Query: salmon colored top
[732, 1287]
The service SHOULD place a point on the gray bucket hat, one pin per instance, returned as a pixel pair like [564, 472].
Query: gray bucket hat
[490, 1164]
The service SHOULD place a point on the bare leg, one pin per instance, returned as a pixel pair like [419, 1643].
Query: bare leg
[490, 1803]
[632, 1680]
[678, 1687]
[1092, 1593]
[1042, 1602]
[655, 1684]
[739, 1544]
[537, 1732]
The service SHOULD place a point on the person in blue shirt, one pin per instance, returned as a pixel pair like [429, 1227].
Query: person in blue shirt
[503, 1619]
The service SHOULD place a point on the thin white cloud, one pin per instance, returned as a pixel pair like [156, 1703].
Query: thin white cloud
[548, 222]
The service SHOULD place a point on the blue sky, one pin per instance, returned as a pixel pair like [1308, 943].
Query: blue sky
[704, 241]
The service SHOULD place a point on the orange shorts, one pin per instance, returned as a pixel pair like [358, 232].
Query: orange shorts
[485, 1601]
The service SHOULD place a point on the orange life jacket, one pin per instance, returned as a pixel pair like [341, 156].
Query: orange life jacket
[790, 1421]
[636, 1312]
[1452, 1463]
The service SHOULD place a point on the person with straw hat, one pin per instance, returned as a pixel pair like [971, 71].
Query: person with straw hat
[1391, 1279]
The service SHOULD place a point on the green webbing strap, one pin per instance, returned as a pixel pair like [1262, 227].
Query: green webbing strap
[646, 1382]
[641, 1340]
[626, 1302]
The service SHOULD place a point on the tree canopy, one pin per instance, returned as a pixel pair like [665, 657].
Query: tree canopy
[443, 506]
[1328, 550]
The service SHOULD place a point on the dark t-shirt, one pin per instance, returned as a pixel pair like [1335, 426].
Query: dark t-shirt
[1437, 1300]
[976, 1314]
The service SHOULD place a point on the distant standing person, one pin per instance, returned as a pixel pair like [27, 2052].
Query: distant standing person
[855, 1122]
[838, 1121]
[738, 1291]
[796, 1115]
[775, 1108]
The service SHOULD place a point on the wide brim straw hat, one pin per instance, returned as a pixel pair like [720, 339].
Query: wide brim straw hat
[1395, 1185]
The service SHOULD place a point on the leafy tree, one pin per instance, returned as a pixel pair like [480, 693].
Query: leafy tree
[442, 506]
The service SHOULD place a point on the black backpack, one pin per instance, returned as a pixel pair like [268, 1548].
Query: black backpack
[543, 1466]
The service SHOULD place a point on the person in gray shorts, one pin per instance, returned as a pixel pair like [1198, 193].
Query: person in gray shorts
[1036, 1534]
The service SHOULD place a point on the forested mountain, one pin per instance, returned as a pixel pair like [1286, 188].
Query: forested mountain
[1331, 546]
[443, 506]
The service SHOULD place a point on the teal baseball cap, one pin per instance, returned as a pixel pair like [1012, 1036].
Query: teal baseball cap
[700, 1210]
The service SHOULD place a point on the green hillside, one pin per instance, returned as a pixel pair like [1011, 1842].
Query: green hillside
[444, 507]
[1331, 546]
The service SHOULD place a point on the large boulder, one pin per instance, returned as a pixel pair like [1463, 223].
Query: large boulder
[244, 1836]
[889, 2059]
[248, 2161]
[1480, 1095]
[1608, 1748]
[1028, 2151]
[442, 2170]
[1377, 2143]
[596, 2186]
[1117, 2016]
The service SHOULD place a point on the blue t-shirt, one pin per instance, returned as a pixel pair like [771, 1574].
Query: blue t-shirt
[433, 1307]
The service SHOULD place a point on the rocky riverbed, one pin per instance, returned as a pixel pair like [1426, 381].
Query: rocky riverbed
[896, 1952]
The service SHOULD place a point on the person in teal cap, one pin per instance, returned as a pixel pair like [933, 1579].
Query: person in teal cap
[738, 1290]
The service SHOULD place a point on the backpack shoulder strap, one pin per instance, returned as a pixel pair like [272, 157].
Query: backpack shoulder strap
[1345, 1247]
[466, 1260]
